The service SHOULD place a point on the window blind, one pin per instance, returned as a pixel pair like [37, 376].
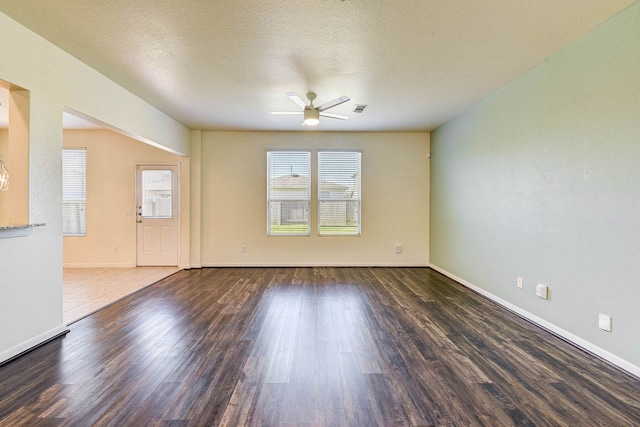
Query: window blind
[288, 193]
[339, 188]
[74, 192]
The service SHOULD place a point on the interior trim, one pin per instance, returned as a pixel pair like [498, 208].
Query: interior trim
[27, 346]
[554, 329]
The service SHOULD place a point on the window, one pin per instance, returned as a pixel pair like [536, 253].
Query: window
[339, 193]
[156, 193]
[74, 192]
[288, 193]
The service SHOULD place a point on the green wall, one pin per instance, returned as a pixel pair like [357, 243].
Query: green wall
[541, 180]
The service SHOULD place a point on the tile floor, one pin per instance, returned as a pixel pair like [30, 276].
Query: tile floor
[89, 289]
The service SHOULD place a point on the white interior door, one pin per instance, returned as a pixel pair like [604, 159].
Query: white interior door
[157, 215]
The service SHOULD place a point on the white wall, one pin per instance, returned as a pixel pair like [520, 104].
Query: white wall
[111, 162]
[542, 180]
[395, 200]
[31, 267]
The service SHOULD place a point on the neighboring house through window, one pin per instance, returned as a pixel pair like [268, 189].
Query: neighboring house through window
[339, 178]
[288, 193]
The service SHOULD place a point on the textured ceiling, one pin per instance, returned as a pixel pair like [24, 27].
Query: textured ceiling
[226, 64]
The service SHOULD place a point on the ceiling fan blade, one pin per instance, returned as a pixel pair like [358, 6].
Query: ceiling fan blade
[286, 112]
[333, 103]
[334, 116]
[295, 98]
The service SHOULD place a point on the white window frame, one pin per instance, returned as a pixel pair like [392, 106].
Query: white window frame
[74, 192]
[339, 193]
[288, 171]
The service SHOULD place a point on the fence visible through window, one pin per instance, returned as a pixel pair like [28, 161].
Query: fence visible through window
[339, 187]
[288, 193]
[156, 194]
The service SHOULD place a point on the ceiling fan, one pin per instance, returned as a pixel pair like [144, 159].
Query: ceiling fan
[312, 113]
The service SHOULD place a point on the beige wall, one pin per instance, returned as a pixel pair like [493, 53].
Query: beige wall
[4, 149]
[4, 135]
[111, 161]
[395, 200]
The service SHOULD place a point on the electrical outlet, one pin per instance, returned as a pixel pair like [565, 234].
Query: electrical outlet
[398, 249]
[243, 248]
[519, 282]
[116, 249]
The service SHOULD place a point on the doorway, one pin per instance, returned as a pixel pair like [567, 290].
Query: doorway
[157, 215]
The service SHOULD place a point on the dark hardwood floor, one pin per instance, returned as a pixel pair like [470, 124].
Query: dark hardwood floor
[311, 347]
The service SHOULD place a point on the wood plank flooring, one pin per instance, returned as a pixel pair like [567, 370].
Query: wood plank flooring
[311, 347]
[86, 290]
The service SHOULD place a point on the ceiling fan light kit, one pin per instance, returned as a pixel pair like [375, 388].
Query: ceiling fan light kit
[311, 116]
[312, 113]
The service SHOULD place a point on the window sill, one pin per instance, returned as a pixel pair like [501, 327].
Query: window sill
[21, 230]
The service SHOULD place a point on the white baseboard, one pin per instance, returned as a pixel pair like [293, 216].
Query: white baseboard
[189, 266]
[99, 265]
[33, 342]
[566, 335]
[315, 264]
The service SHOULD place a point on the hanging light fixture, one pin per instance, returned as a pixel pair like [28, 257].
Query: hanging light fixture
[4, 176]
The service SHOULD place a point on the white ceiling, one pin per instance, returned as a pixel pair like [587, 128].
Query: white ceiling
[226, 64]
